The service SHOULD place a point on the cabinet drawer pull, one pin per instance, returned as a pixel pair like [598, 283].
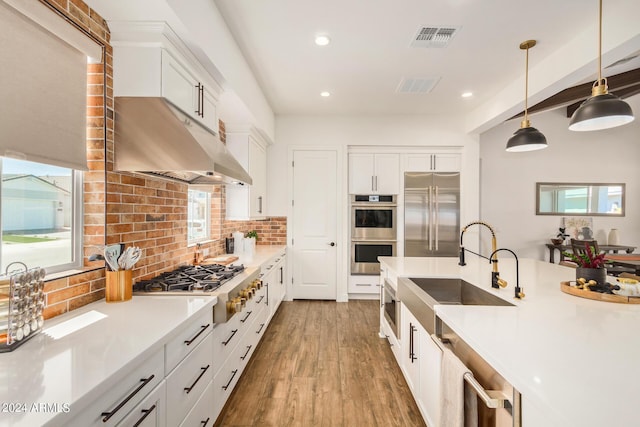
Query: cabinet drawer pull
[107, 415]
[246, 317]
[145, 413]
[248, 350]
[260, 300]
[205, 422]
[202, 329]
[260, 330]
[235, 331]
[363, 284]
[226, 386]
[205, 369]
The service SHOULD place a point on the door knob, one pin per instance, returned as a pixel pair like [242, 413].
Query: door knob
[332, 244]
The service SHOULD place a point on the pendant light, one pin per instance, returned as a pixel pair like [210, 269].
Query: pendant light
[602, 110]
[526, 138]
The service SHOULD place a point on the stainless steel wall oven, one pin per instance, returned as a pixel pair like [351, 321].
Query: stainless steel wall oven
[373, 217]
[373, 231]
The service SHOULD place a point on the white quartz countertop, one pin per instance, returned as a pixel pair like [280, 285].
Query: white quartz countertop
[263, 253]
[572, 358]
[71, 361]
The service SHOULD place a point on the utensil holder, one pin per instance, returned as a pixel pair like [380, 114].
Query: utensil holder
[119, 286]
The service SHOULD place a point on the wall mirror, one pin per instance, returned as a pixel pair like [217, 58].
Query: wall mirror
[575, 199]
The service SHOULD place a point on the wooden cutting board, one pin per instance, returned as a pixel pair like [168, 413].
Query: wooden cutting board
[572, 290]
[222, 259]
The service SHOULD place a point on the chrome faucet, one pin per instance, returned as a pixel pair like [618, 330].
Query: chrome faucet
[518, 291]
[496, 281]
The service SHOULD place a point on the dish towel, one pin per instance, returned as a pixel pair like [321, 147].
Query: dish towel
[455, 401]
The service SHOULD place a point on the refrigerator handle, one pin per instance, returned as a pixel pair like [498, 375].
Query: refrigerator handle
[436, 215]
[430, 219]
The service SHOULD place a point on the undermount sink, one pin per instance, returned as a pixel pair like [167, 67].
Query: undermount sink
[457, 291]
[420, 295]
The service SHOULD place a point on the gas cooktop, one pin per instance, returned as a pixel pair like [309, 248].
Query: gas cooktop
[190, 278]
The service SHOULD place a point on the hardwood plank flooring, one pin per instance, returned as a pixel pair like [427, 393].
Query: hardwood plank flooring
[321, 363]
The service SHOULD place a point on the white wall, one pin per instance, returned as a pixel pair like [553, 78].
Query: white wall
[345, 131]
[508, 180]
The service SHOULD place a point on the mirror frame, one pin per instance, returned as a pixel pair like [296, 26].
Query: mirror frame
[586, 184]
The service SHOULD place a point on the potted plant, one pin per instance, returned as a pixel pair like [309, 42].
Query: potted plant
[590, 266]
[559, 239]
[251, 237]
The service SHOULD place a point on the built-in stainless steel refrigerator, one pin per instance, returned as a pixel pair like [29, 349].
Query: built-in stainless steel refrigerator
[431, 214]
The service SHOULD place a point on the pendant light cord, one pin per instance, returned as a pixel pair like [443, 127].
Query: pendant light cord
[526, 86]
[600, 44]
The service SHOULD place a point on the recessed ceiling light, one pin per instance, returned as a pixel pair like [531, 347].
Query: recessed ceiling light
[322, 40]
[467, 94]
[325, 94]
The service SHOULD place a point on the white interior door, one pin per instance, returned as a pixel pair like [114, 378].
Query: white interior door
[315, 201]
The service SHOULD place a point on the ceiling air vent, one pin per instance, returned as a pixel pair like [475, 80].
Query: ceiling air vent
[417, 85]
[434, 36]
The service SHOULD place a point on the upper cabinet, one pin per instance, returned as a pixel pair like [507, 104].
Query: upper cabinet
[377, 173]
[431, 162]
[149, 60]
[250, 149]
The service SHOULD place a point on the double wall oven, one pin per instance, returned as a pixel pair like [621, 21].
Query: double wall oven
[373, 231]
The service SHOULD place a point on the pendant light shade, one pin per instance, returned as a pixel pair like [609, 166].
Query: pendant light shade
[526, 138]
[602, 110]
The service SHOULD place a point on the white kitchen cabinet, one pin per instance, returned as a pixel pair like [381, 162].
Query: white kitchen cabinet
[374, 173]
[128, 390]
[188, 380]
[149, 60]
[410, 349]
[421, 361]
[151, 412]
[202, 414]
[274, 275]
[188, 92]
[429, 162]
[430, 368]
[248, 202]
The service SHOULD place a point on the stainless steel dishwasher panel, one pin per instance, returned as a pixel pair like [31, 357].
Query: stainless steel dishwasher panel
[486, 378]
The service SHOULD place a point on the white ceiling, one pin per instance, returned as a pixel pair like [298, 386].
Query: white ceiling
[370, 50]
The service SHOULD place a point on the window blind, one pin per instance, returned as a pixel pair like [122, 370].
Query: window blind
[43, 92]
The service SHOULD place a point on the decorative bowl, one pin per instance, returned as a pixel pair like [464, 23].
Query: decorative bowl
[557, 241]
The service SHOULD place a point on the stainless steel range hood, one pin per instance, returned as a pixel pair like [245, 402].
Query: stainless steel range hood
[154, 137]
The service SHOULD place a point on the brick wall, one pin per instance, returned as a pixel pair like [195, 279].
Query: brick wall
[127, 208]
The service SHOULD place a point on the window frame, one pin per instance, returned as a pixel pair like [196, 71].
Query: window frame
[207, 219]
[77, 223]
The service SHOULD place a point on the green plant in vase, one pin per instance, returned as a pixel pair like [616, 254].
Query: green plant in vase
[253, 234]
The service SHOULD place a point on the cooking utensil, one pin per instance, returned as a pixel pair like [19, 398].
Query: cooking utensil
[111, 255]
[129, 257]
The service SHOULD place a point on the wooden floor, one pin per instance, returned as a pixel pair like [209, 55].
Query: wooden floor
[321, 363]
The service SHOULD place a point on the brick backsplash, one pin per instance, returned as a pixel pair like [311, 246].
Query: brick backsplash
[127, 208]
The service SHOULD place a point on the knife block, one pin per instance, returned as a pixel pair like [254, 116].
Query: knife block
[119, 286]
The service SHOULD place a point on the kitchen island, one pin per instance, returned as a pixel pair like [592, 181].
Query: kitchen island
[571, 358]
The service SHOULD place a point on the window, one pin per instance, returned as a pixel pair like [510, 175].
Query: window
[198, 216]
[41, 209]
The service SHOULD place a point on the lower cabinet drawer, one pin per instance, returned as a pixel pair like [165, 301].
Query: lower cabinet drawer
[226, 337]
[187, 381]
[125, 393]
[364, 284]
[188, 339]
[151, 412]
[227, 377]
[202, 415]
